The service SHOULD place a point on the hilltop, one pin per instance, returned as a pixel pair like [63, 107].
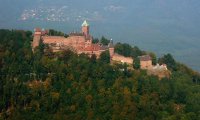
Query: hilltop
[164, 26]
[65, 85]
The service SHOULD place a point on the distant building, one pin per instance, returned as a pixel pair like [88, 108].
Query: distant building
[145, 62]
[159, 70]
[79, 42]
[160, 67]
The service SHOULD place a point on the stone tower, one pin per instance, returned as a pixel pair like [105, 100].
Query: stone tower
[36, 38]
[111, 48]
[85, 29]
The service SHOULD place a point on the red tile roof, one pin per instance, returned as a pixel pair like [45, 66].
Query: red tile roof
[145, 58]
[93, 47]
[37, 30]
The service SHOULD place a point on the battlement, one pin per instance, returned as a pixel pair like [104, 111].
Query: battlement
[41, 32]
[76, 34]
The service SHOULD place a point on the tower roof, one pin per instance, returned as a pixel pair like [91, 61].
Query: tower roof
[110, 45]
[85, 23]
[145, 58]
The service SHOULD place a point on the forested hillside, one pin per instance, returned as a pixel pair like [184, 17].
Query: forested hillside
[62, 86]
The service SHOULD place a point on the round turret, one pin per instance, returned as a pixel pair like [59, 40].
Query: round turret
[85, 29]
[111, 48]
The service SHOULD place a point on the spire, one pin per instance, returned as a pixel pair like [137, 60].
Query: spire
[85, 23]
[110, 45]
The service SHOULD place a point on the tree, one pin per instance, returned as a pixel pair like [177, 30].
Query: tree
[55, 33]
[104, 41]
[39, 51]
[136, 64]
[65, 55]
[93, 58]
[136, 52]
[169, 61]
[105, 57]
[65, 85]
[123, 49]
[153, 57]
[95, 40]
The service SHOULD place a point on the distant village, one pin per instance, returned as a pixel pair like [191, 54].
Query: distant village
[81, 42]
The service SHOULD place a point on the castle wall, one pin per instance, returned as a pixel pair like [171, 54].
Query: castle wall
[120, 58]
[78, 42]
[36, 41]
[146, 64]
[52, 39]
[111, 51]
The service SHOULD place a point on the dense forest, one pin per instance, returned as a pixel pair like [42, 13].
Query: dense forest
[61, 86]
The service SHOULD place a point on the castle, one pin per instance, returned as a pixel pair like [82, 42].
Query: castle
[79, 42]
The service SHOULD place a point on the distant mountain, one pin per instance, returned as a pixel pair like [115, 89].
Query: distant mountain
[164, 26]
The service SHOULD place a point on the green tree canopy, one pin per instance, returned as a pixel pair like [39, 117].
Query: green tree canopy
[169, 61]
[45, 85]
